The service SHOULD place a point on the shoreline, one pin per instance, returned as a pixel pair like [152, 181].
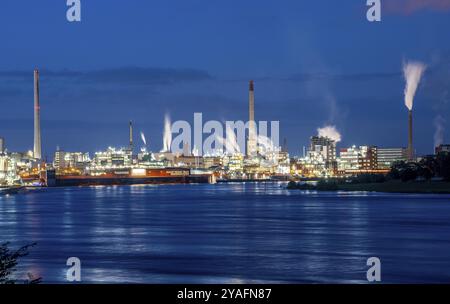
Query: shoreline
[422, 187]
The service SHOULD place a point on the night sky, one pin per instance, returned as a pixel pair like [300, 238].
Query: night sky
[313, 62]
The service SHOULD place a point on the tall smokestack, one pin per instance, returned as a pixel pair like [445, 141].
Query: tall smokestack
[251, 144]
[131, 135]
[413, 72]
[37, 152]
[410, 136]
[2, 145]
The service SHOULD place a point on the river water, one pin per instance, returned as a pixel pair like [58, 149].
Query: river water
[228, 233]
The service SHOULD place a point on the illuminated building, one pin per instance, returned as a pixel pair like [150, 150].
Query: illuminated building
[355, 160]
[325, 148]
[283, 163]
[8, 171]
[313, 165]
[212, 161]
[442, 149]
[196, 162]
[147, 160]
[386, 157]
[189, 161]
[320, 160]
[24, 161]
[234, 164]
[78, 160]
[113, 158]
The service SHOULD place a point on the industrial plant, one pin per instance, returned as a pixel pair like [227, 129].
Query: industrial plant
[263, 160]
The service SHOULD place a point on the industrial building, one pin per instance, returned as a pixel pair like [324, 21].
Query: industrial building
[388, 156]
[113, 158]
[442, 149]
[8, 171]
[356, 160]
[75, 160]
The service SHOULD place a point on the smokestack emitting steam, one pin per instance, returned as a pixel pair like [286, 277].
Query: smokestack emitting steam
[413, 73]
[410, 136]
[251, 144]
[37, 152]
[331, 132]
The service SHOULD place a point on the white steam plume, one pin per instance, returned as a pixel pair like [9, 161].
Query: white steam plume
[167, 141]
[413, 73]
[143, 138]
[230, 142]
[331, 132]
[439, 123]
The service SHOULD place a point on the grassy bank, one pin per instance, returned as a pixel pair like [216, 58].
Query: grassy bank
[394, 186]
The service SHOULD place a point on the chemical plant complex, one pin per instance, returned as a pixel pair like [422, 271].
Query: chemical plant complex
[137, 165]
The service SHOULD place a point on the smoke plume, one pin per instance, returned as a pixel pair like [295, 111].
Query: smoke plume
[143, 138]
[167, 134]
[413, 73]
[439, 123]
[331, 132]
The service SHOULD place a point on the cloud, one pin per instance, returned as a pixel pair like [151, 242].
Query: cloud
[124, 75]
[409, 7]
[343, 77]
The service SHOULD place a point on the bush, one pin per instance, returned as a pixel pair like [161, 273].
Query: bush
[368, 179]
[328, 185]
[8, 263]
[409, 174]
[443, 161]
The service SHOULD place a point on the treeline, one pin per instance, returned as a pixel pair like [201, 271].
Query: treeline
[429, 167]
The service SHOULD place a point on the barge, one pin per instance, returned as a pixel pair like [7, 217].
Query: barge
[129, 177]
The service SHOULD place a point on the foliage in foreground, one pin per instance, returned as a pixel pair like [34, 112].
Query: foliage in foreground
[8, 262]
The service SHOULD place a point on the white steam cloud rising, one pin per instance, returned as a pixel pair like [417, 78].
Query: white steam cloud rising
[413, 73]
[143, 138]
[331, 132]
[439, 122]
[167, 134]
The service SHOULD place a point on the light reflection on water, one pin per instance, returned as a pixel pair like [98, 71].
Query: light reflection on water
[225, 233]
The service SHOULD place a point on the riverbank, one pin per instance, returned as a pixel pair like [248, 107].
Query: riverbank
[388, 187]
[4, 190]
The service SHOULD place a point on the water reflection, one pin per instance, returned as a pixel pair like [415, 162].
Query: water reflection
[243, 232]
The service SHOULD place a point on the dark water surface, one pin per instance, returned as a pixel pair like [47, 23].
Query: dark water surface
[228, 233]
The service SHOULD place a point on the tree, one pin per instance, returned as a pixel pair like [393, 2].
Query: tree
[443, 160]
[396, 170]
[8, 263]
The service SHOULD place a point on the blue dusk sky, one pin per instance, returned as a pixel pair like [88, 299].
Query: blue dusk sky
[314, 63]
